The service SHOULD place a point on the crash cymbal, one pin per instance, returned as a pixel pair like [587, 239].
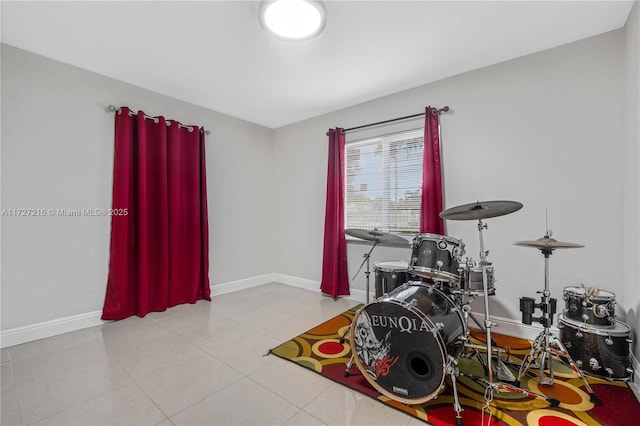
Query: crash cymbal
[547, 243]
[375, 235]
[481, 210]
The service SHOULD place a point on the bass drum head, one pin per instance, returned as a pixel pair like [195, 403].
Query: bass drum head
[397, 353]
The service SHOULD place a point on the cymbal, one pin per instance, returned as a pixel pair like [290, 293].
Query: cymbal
[481, 210]
[547, 243]
[375, 235]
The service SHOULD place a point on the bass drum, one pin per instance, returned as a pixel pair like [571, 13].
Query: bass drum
[598, 351]
[403, 341]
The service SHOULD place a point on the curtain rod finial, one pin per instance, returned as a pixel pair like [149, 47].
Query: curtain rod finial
[111, 108]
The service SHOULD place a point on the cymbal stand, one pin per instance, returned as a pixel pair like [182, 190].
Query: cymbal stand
[485, 290]
[489, 382]
[367, 272]
[546, 345]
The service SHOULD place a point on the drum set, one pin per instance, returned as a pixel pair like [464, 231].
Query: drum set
[409, 340]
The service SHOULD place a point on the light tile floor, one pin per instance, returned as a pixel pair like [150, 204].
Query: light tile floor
[201, 364]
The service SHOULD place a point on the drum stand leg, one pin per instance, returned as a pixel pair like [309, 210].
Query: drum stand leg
[562, 351]
[503, 373]
[349, 364]
[489, 383]
[546, 345]
[367, 271]
[452, 370]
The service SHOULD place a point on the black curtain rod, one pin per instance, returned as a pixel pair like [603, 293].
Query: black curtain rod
[433, 110]
[111, 108]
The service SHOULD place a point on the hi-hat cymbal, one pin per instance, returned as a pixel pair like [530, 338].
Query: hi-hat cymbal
[481, 210]
[547, 243]
[375, 235]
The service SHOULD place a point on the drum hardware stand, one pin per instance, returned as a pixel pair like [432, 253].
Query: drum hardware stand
[546, 345]
[480, 210]
[453, 371]
[502, 372]
[489, 382]
[376, 237]
[367, 271]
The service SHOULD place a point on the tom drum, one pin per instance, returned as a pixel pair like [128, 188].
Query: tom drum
[597, 309]
[436, 256]
[390, 275]
[471, 279]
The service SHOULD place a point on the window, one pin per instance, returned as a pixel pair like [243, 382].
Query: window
[384, 181]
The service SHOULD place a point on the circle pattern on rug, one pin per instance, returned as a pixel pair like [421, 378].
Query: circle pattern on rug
[330, 348]
[571, 397]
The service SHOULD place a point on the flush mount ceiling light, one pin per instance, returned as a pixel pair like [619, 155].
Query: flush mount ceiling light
[293, 19]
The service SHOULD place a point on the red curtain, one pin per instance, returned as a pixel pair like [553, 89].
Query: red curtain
[159, 230]
[335, 276]
[431, 203]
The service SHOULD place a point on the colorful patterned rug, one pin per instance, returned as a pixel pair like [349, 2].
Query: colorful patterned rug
[323, 349]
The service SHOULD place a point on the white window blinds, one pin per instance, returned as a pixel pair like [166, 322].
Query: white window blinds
[384, 180]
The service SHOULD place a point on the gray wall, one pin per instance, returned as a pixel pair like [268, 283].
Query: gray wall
[57, 152]
[545, 130]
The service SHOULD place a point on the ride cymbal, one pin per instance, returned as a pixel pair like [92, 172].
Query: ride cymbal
[481, 210]
[375, 235]
[547, 243]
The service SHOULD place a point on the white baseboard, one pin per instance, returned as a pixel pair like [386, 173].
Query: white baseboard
[512, 327]
[29, 333]
[297, 282]
[243, 284]
[357, 295]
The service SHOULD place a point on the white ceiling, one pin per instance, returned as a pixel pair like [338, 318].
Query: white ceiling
[215, 53]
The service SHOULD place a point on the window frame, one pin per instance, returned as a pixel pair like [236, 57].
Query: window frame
[387, 212]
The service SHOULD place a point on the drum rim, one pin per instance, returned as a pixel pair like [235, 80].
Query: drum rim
[490, 268]
[399, 262]
[442, 275]
[600, 331]
[595, 297]
[370, 379]
[445, 237]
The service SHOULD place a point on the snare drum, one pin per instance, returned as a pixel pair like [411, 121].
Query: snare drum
[471, 279]
[598, 351]
[436, 256]
[403, 342]
[390, 275]
[599, 309]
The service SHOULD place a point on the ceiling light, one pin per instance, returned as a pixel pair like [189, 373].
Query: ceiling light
[293, 19]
